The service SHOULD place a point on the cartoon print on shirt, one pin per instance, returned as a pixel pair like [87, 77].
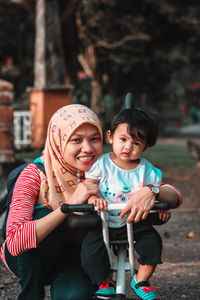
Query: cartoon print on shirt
[124, 195]
[120, 197]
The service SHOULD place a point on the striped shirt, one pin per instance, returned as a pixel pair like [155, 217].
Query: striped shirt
[21, 231]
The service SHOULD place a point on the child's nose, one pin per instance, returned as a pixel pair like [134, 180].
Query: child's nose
[129, 146]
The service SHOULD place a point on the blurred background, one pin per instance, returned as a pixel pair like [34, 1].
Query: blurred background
[92, 52]
[102, 49]
[57, 52]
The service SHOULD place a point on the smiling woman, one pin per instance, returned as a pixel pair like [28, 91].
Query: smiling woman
[83, 148]
[37, 248]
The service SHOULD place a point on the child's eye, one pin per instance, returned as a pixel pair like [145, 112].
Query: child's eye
[123, 139]
[136, 143]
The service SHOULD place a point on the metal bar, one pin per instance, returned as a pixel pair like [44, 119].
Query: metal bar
[131, 247]
[106, 235]
[121, 271]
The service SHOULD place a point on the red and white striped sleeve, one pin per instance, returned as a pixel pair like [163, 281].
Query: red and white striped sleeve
[179, 196]
[21, 232]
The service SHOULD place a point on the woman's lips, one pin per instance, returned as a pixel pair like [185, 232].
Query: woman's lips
[86, 159]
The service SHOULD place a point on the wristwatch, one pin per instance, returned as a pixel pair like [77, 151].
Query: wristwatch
[155, 190]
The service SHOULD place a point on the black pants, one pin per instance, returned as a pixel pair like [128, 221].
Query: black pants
[94, 257]
[56, 261]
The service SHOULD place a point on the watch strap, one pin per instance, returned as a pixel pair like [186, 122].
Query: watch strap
[152, 189]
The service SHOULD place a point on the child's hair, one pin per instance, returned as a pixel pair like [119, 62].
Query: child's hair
[142, 124]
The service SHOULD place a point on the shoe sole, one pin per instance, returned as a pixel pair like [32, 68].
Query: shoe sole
[102, 297]
[140, 297]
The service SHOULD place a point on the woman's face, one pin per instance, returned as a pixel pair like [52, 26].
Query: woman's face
[83, 147]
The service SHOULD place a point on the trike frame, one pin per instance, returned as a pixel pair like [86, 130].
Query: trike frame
[121, 266]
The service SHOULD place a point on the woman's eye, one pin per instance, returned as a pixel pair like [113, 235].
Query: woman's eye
[123, 139]
[95, 139]
[75, 140]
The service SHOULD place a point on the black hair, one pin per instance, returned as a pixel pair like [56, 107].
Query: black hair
[141, 124]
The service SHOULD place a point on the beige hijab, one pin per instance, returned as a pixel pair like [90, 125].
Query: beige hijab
[61, 179]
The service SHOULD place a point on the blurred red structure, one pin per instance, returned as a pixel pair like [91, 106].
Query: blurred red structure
[194, 87]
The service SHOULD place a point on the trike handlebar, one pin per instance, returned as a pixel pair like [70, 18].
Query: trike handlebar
[70, 208]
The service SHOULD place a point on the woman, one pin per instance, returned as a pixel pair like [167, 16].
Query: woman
[37, 248]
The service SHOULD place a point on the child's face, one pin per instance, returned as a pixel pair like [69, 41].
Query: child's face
[83, 148]
[126, 150]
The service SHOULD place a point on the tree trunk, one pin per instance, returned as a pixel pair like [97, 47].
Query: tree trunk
[88, 63]
[96, 97]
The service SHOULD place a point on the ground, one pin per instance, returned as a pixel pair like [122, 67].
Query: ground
[178, 277]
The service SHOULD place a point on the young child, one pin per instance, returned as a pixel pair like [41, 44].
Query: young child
[119, 175]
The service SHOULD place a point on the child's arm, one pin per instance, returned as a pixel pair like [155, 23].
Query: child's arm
[164, 215]
[100, 203]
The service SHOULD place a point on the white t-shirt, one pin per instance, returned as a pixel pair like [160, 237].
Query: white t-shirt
[117, 185]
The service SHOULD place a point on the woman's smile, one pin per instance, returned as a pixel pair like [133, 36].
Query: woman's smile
[87, 159]
[83, 148]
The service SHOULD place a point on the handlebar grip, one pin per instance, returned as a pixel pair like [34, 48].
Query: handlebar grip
[69, 208]
[161, 206]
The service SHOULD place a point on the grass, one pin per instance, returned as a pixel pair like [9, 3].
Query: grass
[166, 155]
[169, 155]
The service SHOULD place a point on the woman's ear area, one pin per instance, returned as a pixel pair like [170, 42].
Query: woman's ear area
[109, 136]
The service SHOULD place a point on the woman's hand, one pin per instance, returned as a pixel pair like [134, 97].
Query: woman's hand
[83, 191]
[100, 204]
[139, 205]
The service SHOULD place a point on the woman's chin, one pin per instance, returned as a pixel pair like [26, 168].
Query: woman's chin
[84, 166]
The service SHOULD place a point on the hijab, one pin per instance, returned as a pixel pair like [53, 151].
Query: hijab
[61, 179]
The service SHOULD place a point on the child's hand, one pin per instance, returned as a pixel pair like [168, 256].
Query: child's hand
[164, 215]
[100, 204]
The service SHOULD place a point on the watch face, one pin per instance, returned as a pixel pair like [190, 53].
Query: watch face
[155, 190]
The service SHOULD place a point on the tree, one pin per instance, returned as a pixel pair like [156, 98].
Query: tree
[123, 45]
[17, 46]
[137, 44]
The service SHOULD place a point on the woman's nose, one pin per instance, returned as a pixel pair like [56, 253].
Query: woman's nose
[86, 146]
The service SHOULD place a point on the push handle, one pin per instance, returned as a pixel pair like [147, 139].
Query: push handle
[129, 100]
[70, 208]
[161, 206]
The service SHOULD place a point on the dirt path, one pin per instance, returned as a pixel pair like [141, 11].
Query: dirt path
[178, 277]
